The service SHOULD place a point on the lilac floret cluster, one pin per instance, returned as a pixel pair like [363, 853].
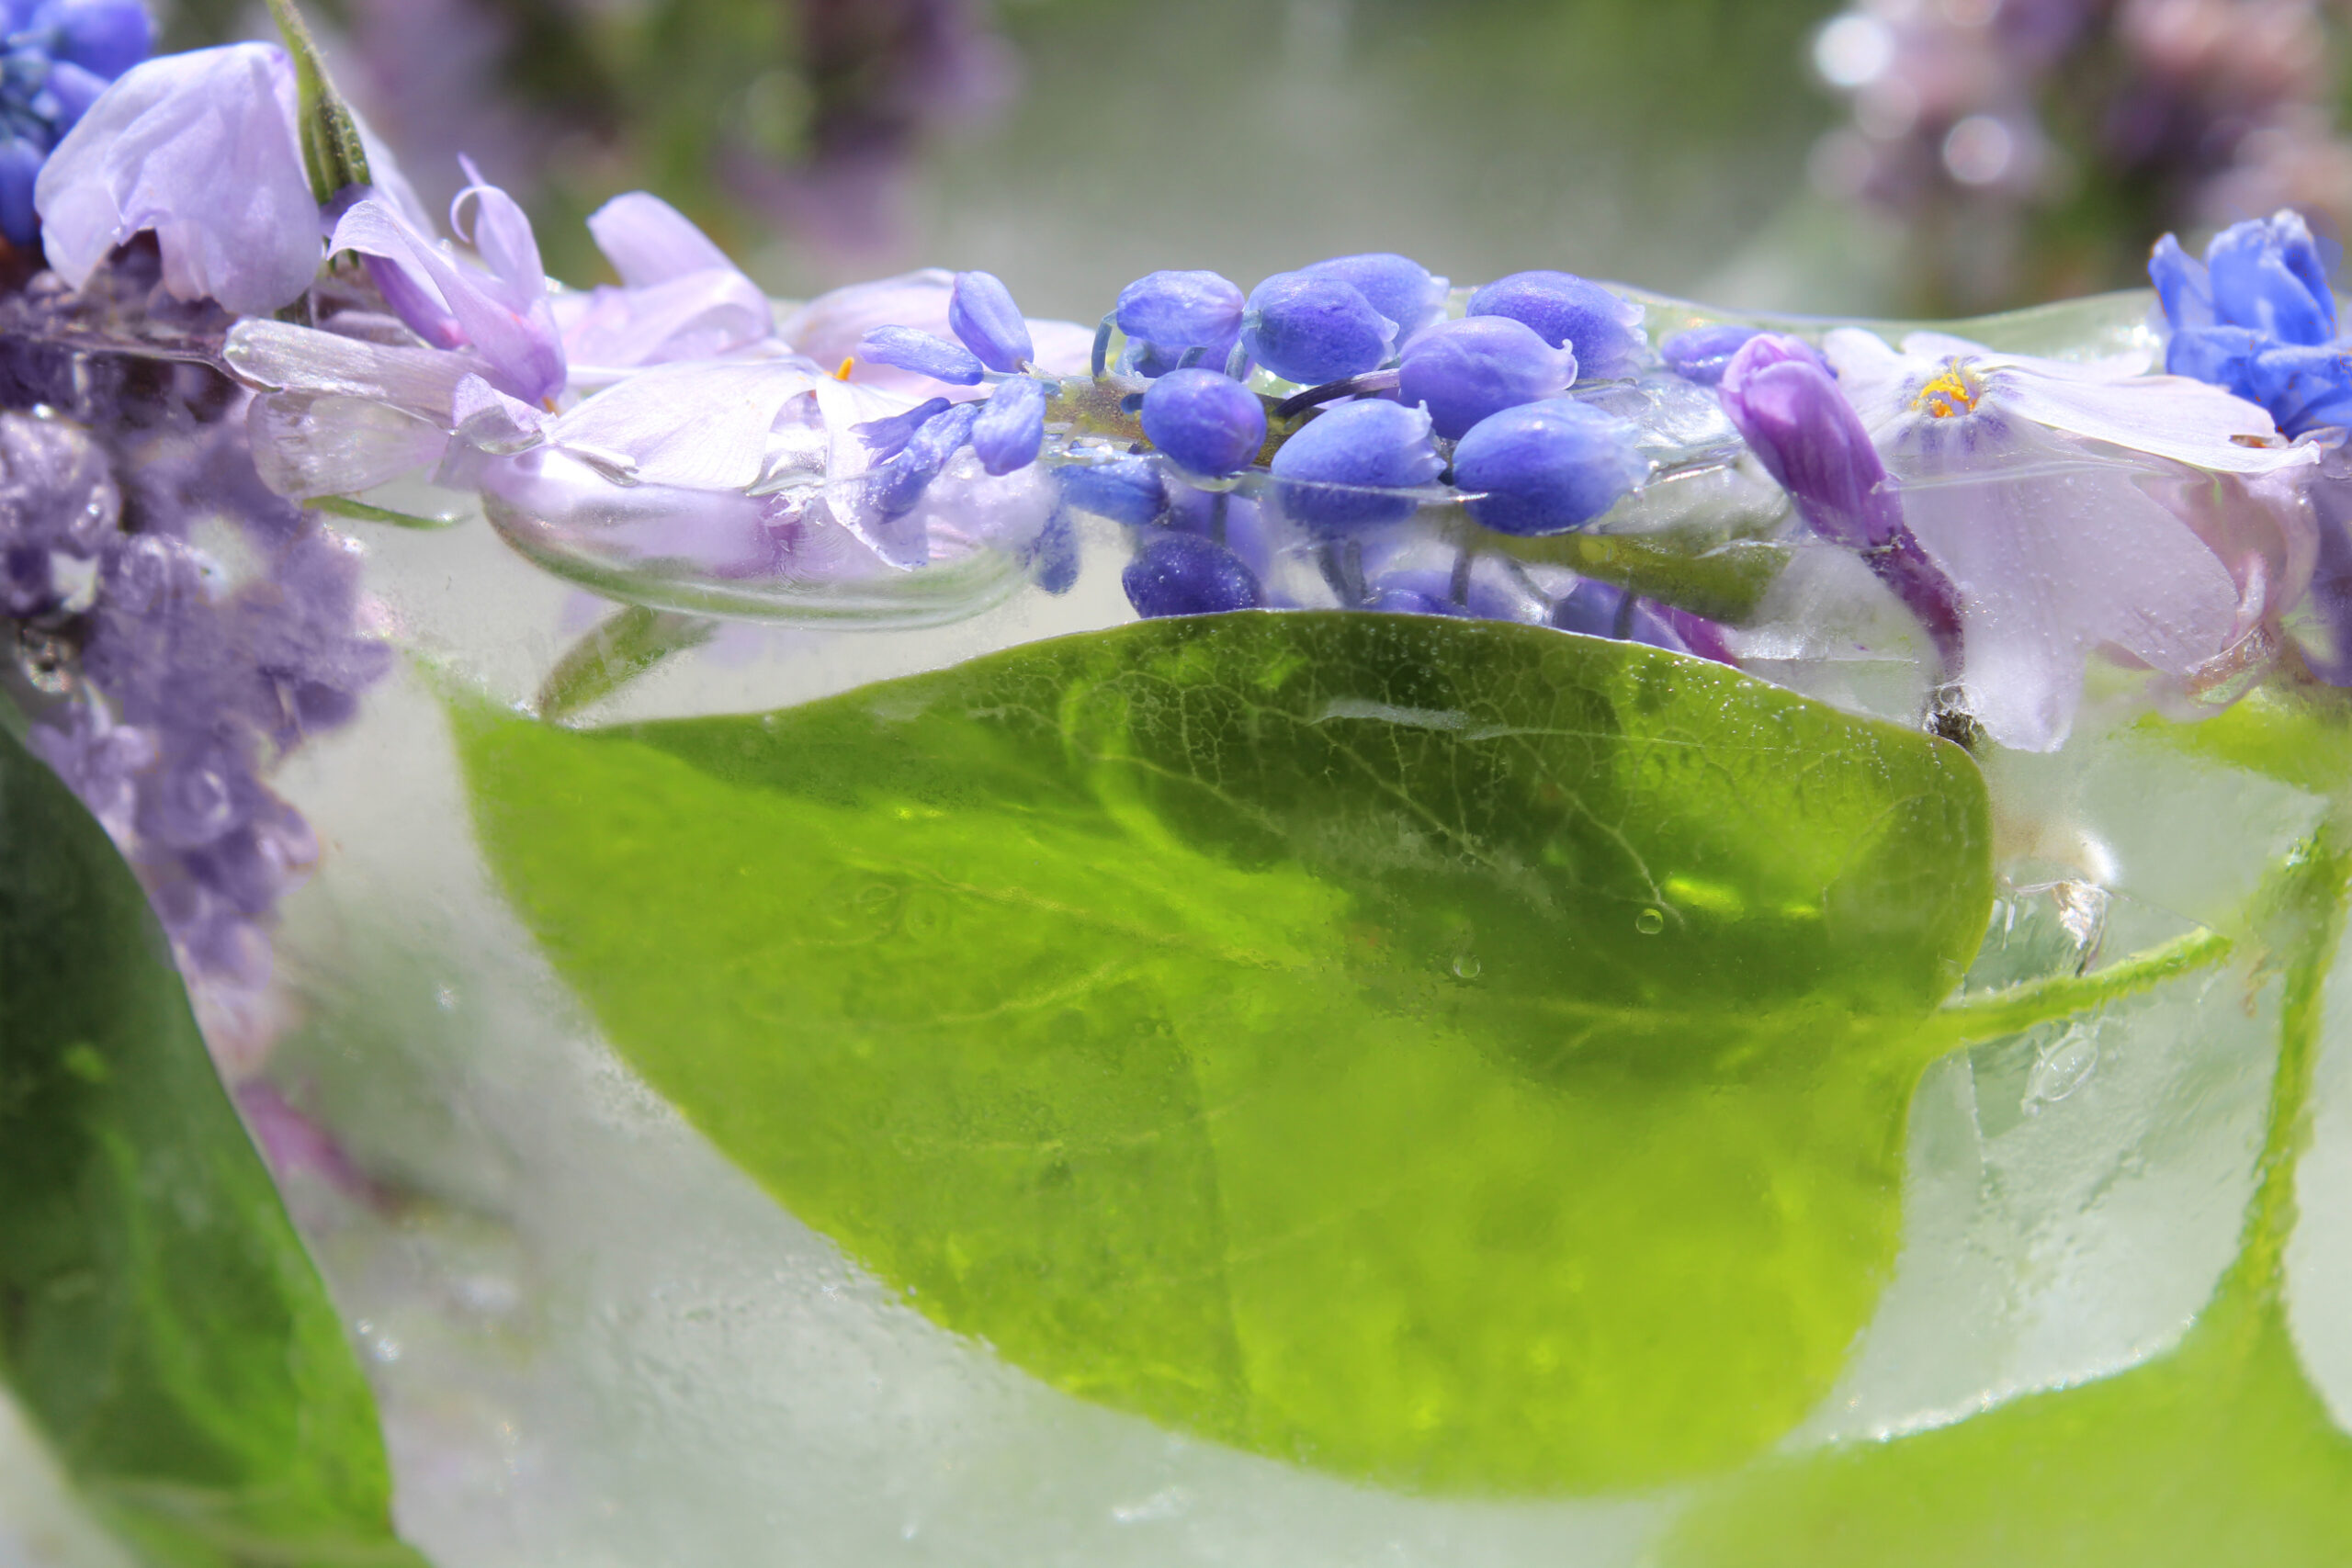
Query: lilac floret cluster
[183, 628]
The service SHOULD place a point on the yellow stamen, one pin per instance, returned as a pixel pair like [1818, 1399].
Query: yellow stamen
[1953, 392]
[847, 363]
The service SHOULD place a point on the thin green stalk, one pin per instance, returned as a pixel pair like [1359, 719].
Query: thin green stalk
[332, 154]
[2020, 1007]
[617, 652]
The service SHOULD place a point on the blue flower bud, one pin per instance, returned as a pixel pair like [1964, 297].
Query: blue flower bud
[1398, 287]
[21, 163]
[1207, 422]
[2182, 286]
[2269, 277]
[980, 311]
[1547, 467]
[1311, 330]
[1011, 426]
[105, 38]
[1701, 354]
[896, 486]
[1360, 448]
[888, 437]
[67, 94]
[1053, 558]
[1181, 309]
[1127, 490]
[904, 348]
[1400, 598]
[1462, 371]
[1184, 574]
[1604, 330]
[1232, 519]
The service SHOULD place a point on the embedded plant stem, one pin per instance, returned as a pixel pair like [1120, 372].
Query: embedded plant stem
[344, 506]
[2311, 905]
[617, 652]
[2020, 1007]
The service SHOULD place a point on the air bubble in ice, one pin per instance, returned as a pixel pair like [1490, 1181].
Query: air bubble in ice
[2061, 1068]
[1649, 923]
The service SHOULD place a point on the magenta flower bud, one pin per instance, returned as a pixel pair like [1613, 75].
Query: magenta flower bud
[1789, 410]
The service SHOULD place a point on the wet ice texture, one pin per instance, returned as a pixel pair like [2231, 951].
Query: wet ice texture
[597, 1343]
[2074, 1192]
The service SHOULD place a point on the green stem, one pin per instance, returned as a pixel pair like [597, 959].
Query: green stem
[2020, 1007]
[344, 506]
[616, 652]
[332, 154]
[2308, 915]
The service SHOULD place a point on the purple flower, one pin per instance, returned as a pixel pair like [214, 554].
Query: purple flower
[1310, 330]
[1175, 311]
[500, 311]
[1010, 427]
[981, 313]
[1547, 467]
[1462, 371]
[893, 487]
[1702, 353]
[1205, 421]
[1790, 411]
[1398, 287]
[1567, 310]
[200, 147]
[679, 297]
[922, 354]
[2257, 317]
[1340, 471]
[58, 508]
[1184, 574]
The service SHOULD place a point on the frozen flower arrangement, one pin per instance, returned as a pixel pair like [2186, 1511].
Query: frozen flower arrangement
[1352, 435]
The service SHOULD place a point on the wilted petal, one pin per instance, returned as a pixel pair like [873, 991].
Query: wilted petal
[200, 147]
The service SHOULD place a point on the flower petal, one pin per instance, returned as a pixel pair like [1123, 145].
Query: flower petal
[307, 444]
[2167, 416]
[198, 147]
[694, 425]
[649, 242]
[281, 356]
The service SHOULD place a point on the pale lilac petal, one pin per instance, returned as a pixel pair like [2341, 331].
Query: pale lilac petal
[829, 327]
[1870, 372]
[1064, 348]
[309, 444]
[698, 315]
[2170, 416]
[572, 508]
[503, 314]
[2055, 556]
[693, 426]
[281, 356]
[649, 242]
[501, 235]
[200, 149]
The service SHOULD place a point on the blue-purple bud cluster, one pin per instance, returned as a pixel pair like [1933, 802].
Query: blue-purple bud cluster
[2257, 317]
[56, 57]
[1404, 408]
[168, 686]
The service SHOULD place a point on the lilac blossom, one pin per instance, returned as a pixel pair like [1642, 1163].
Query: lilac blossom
[500, 311]
[200, 147]
[1788, 411]
[2040, 488]
[679, 297]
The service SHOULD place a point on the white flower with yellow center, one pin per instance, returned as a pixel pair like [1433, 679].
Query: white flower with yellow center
[2075, 508]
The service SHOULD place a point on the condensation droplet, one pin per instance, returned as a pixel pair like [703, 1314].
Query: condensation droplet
[1649, 923]
[1466, 967]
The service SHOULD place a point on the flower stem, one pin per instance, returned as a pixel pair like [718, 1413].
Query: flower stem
[618, 650]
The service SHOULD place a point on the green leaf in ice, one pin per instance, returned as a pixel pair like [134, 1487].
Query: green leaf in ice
[1464, 1056]
[2217, 1452]
[159, 1321]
